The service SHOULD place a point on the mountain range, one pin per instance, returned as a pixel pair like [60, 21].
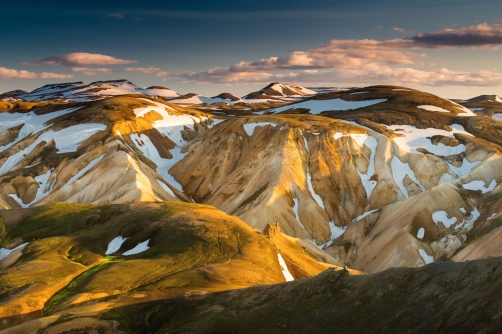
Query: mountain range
[128, 209]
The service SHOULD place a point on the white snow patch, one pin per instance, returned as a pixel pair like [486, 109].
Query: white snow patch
[84, 170]
[414, 138]
[432, 108]
[115, 244]
[310, 185]
[141, 247]
[355, 93]
[41, 191]
[466, 167]
[364, 215]
[295, 209]
[6, 252]
[338, 135]
[32, 123]
[492, 216]
[442, 216]
[497, 117]
[476, 109]
[466, 112]
[146, 146]
[480, 185]
[421, 233]
[318, 106]
[371, 143]
[462, 210]
[166, 188]
[445, 178]
[67, 140]
[335, 230]
[426, 257]
[249, 127]
[399, 172]
[475, 214]
[285, 270]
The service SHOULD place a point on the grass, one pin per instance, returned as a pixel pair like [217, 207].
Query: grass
[73, 285]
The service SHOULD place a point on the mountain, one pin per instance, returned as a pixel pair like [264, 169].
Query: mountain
[373, 178]
[79, 92]
[485, 105]
[277, 90]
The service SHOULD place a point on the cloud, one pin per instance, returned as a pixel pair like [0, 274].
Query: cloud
[7, 73]
[79, 59]
[369, 74]
[118, 16]
[148, 70]
[161, 74]
[92, 71]
[483, 34]
[365, 61]
[401, 30]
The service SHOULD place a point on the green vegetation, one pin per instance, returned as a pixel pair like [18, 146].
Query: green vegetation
[3, 232]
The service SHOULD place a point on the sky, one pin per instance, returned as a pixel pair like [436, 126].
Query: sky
[450, 48]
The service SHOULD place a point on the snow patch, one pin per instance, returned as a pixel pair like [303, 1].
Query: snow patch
[371, 143]
[414, 138]
[318, 106]
[399, 172]
[432, 108]
[249, 127]
[421, 233]
[442, 216]
[492, 216]
[465, 169]
[141, 247]
[364, 215]
[480, 185]
[41, 191]
[6, 252]
[285, 270]
[115, 245]
[445, 178]
[426, 257]
[166, 188]
[295, 209]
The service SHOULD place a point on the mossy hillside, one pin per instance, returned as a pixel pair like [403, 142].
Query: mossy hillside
[192, 248]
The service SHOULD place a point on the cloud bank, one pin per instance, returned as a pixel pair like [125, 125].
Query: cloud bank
[366, 61]
[79, 59]
[8, 73]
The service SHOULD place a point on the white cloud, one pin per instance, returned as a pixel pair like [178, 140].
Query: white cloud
[148, 70]
[365, 61]
[92, 71]
[79, 59]
[8, 73]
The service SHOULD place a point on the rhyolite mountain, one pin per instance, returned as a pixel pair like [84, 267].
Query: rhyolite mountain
[372, 178]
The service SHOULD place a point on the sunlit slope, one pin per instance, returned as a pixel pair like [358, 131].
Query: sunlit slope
[406, 178]
[89, 258]
[110, 151]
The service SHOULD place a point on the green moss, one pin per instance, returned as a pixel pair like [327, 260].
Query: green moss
[62, 294]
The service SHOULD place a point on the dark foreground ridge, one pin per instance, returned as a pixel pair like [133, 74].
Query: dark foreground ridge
[438, 298]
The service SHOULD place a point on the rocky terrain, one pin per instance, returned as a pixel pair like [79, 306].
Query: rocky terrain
[226, 193]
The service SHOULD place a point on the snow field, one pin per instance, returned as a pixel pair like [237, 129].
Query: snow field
[318, 106]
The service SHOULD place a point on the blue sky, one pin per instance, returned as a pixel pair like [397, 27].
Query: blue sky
[195, 46]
